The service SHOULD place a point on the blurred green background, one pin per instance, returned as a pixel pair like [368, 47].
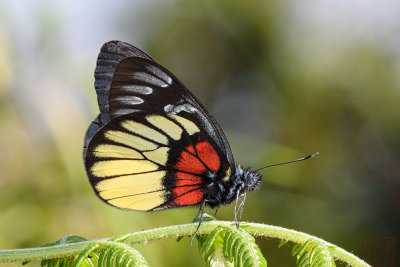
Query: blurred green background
[284, 79]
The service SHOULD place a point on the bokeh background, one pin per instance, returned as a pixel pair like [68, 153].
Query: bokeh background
[284, 79]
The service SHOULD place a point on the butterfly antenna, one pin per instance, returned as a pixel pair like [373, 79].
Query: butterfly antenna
[293, 161]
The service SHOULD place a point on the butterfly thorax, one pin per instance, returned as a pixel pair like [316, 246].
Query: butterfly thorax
[225, 192]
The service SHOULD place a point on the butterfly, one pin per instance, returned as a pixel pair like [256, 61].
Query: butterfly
[154, 146]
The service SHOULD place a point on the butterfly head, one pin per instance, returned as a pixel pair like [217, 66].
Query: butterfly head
[247, 179]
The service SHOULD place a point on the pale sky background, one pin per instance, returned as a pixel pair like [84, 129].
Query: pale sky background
[36, 30]
[88, 24]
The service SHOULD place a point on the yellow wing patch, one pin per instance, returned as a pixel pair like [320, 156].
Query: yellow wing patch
[130, 140]
[145, 131]
[160, 155]
[166, 125]
[189, 126]
[139, 202]
[130, 185]
[127, 161]
[109, 168]
[113, 151]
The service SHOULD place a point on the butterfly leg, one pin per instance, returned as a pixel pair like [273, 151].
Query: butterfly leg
[215, 214]
[200, 211]
[199, 215]
[235, 210]
[239, 208]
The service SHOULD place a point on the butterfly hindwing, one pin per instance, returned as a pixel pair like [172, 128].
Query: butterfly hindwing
[150, 161]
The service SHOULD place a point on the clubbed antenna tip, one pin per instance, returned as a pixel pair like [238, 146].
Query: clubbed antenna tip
[293, 161]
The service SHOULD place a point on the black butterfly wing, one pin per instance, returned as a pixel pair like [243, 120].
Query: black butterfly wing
[109, 57]
[142, 84]
[133, 156]
[128, 81]
[111, 53]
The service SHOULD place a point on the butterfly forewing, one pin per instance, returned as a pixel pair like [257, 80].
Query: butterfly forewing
[141, 84]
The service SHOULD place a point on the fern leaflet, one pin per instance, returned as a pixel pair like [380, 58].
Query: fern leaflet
[313, 253]
[98, 253]
[229, 246]
[108, 253]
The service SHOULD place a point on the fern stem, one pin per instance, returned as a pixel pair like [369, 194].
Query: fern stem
[176, 231]
[299, 238]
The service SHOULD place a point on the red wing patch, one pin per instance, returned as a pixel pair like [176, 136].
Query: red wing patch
[190, 149]
[188, 190]
[208, 155]
[192, 164]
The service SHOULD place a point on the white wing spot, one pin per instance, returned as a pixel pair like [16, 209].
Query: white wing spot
[147, 77]
[178, 108]
[159, 73]
[140, 89]
[124, 111]
[133, 100]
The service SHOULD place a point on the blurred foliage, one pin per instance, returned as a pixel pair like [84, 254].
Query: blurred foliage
[278, 92]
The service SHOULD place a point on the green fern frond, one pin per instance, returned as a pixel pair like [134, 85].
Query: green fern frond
[220, 245]
[313, 253]
[282, 243]
[229, 246]
[98, 253]
[108, 253]
[65, 262]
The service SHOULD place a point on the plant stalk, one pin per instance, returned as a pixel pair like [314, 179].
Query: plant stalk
[174, 232]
